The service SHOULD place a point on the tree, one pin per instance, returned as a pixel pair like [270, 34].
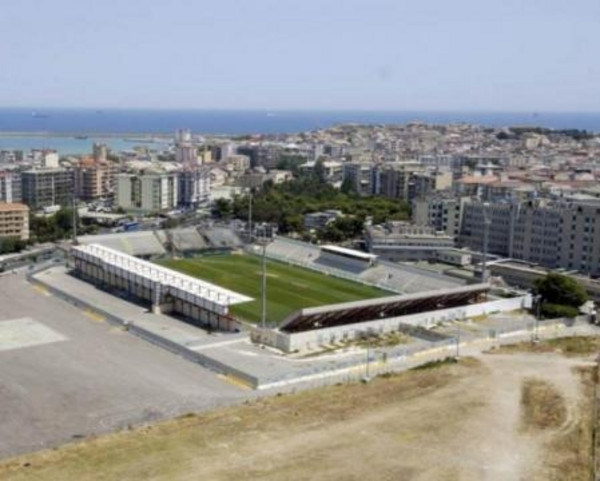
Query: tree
[319, 170]
[560, 290]
[348, 187]
[64, 219]
[223, 208]
[8, 245]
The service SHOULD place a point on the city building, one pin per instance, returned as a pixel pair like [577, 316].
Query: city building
[320, 220]
[14, 221]
[238, 162]
[393, 179]
[555, 234]
[49, 159]
[94, 179]
[332, 169]
[186, 154]
[424, 184]
[442, 213]
[148, 192]
[100, 152]
[194, 186]
[402, 241]
[360, 176]
[497, 218]
[10, 187]
[264, 155]
[47, 187]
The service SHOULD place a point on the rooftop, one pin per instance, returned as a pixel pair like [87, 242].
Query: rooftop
[348, 252]
[8, 207]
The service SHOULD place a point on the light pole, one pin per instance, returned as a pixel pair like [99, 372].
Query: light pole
[367, 377]
[486, 228]
[250, 217]
[538, 305]
[263, 317]
[458, 342]
[74, 218]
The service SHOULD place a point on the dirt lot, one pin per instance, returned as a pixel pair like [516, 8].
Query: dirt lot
[468, 421]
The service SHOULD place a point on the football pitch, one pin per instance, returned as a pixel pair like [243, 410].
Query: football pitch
[289, 288]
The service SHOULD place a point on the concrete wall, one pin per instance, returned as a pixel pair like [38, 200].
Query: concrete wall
[309, 340]
[161, 298]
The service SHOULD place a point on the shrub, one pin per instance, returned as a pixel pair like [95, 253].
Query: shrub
[550, 311]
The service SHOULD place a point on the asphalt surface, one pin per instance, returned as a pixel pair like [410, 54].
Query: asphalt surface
[65, 374]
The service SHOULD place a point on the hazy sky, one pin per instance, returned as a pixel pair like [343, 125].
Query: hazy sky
[525, 55]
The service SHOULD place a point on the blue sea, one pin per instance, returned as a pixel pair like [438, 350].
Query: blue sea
[61, 125]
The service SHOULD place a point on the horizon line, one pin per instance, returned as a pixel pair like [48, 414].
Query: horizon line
[532, 112]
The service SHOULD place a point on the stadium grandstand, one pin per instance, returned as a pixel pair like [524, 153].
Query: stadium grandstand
[348, 259]
[167, 290]
[222, 238]
[399, 278]
[143, 244]
[184, 241]
[386, 307]
[149, 244]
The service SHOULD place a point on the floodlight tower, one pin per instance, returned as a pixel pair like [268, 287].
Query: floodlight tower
[250, 216]
[75, 202]
[263, 241]
[486, 228]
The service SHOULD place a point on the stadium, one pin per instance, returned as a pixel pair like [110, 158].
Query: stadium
[313, 295]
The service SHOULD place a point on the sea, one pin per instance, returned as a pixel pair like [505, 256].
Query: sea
[73, 131]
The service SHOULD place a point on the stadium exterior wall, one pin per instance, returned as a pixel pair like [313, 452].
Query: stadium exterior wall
[148, 292]
[311, 340]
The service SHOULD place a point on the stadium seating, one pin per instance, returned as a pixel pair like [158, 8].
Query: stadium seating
[398, 278]
[138, 243]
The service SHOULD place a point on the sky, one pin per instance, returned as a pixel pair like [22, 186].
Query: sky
[461, 55]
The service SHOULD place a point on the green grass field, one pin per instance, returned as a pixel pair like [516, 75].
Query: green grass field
[289, 288]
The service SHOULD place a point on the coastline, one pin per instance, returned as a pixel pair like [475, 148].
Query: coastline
[46, 133]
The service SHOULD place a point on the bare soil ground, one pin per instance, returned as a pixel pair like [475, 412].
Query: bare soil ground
[453, 422]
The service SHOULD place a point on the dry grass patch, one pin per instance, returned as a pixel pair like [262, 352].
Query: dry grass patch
[570, 454]
[574, 346]
[221, 445]
[542, 406]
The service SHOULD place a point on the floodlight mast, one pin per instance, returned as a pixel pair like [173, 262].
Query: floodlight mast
[264, 285]
[250, 216]
[263, 242]
[486, 228]
[75, 202]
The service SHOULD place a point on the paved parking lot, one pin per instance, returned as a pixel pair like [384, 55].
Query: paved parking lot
[65, 374]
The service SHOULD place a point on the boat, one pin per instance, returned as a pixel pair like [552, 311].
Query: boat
[81, 137]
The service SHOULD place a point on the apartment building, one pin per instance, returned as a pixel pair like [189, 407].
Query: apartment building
[497, 218]
[94, 179]
[10, 187]
[147, 192]
[361, 176]
[194, 186]
[47, 187]
[556, 234]
[14, 221]
[443, 214]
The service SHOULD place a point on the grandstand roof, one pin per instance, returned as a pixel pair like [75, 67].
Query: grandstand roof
[385, 307]
[348, 252]
[155, 273]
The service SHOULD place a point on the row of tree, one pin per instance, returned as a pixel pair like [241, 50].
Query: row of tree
[286, 204]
